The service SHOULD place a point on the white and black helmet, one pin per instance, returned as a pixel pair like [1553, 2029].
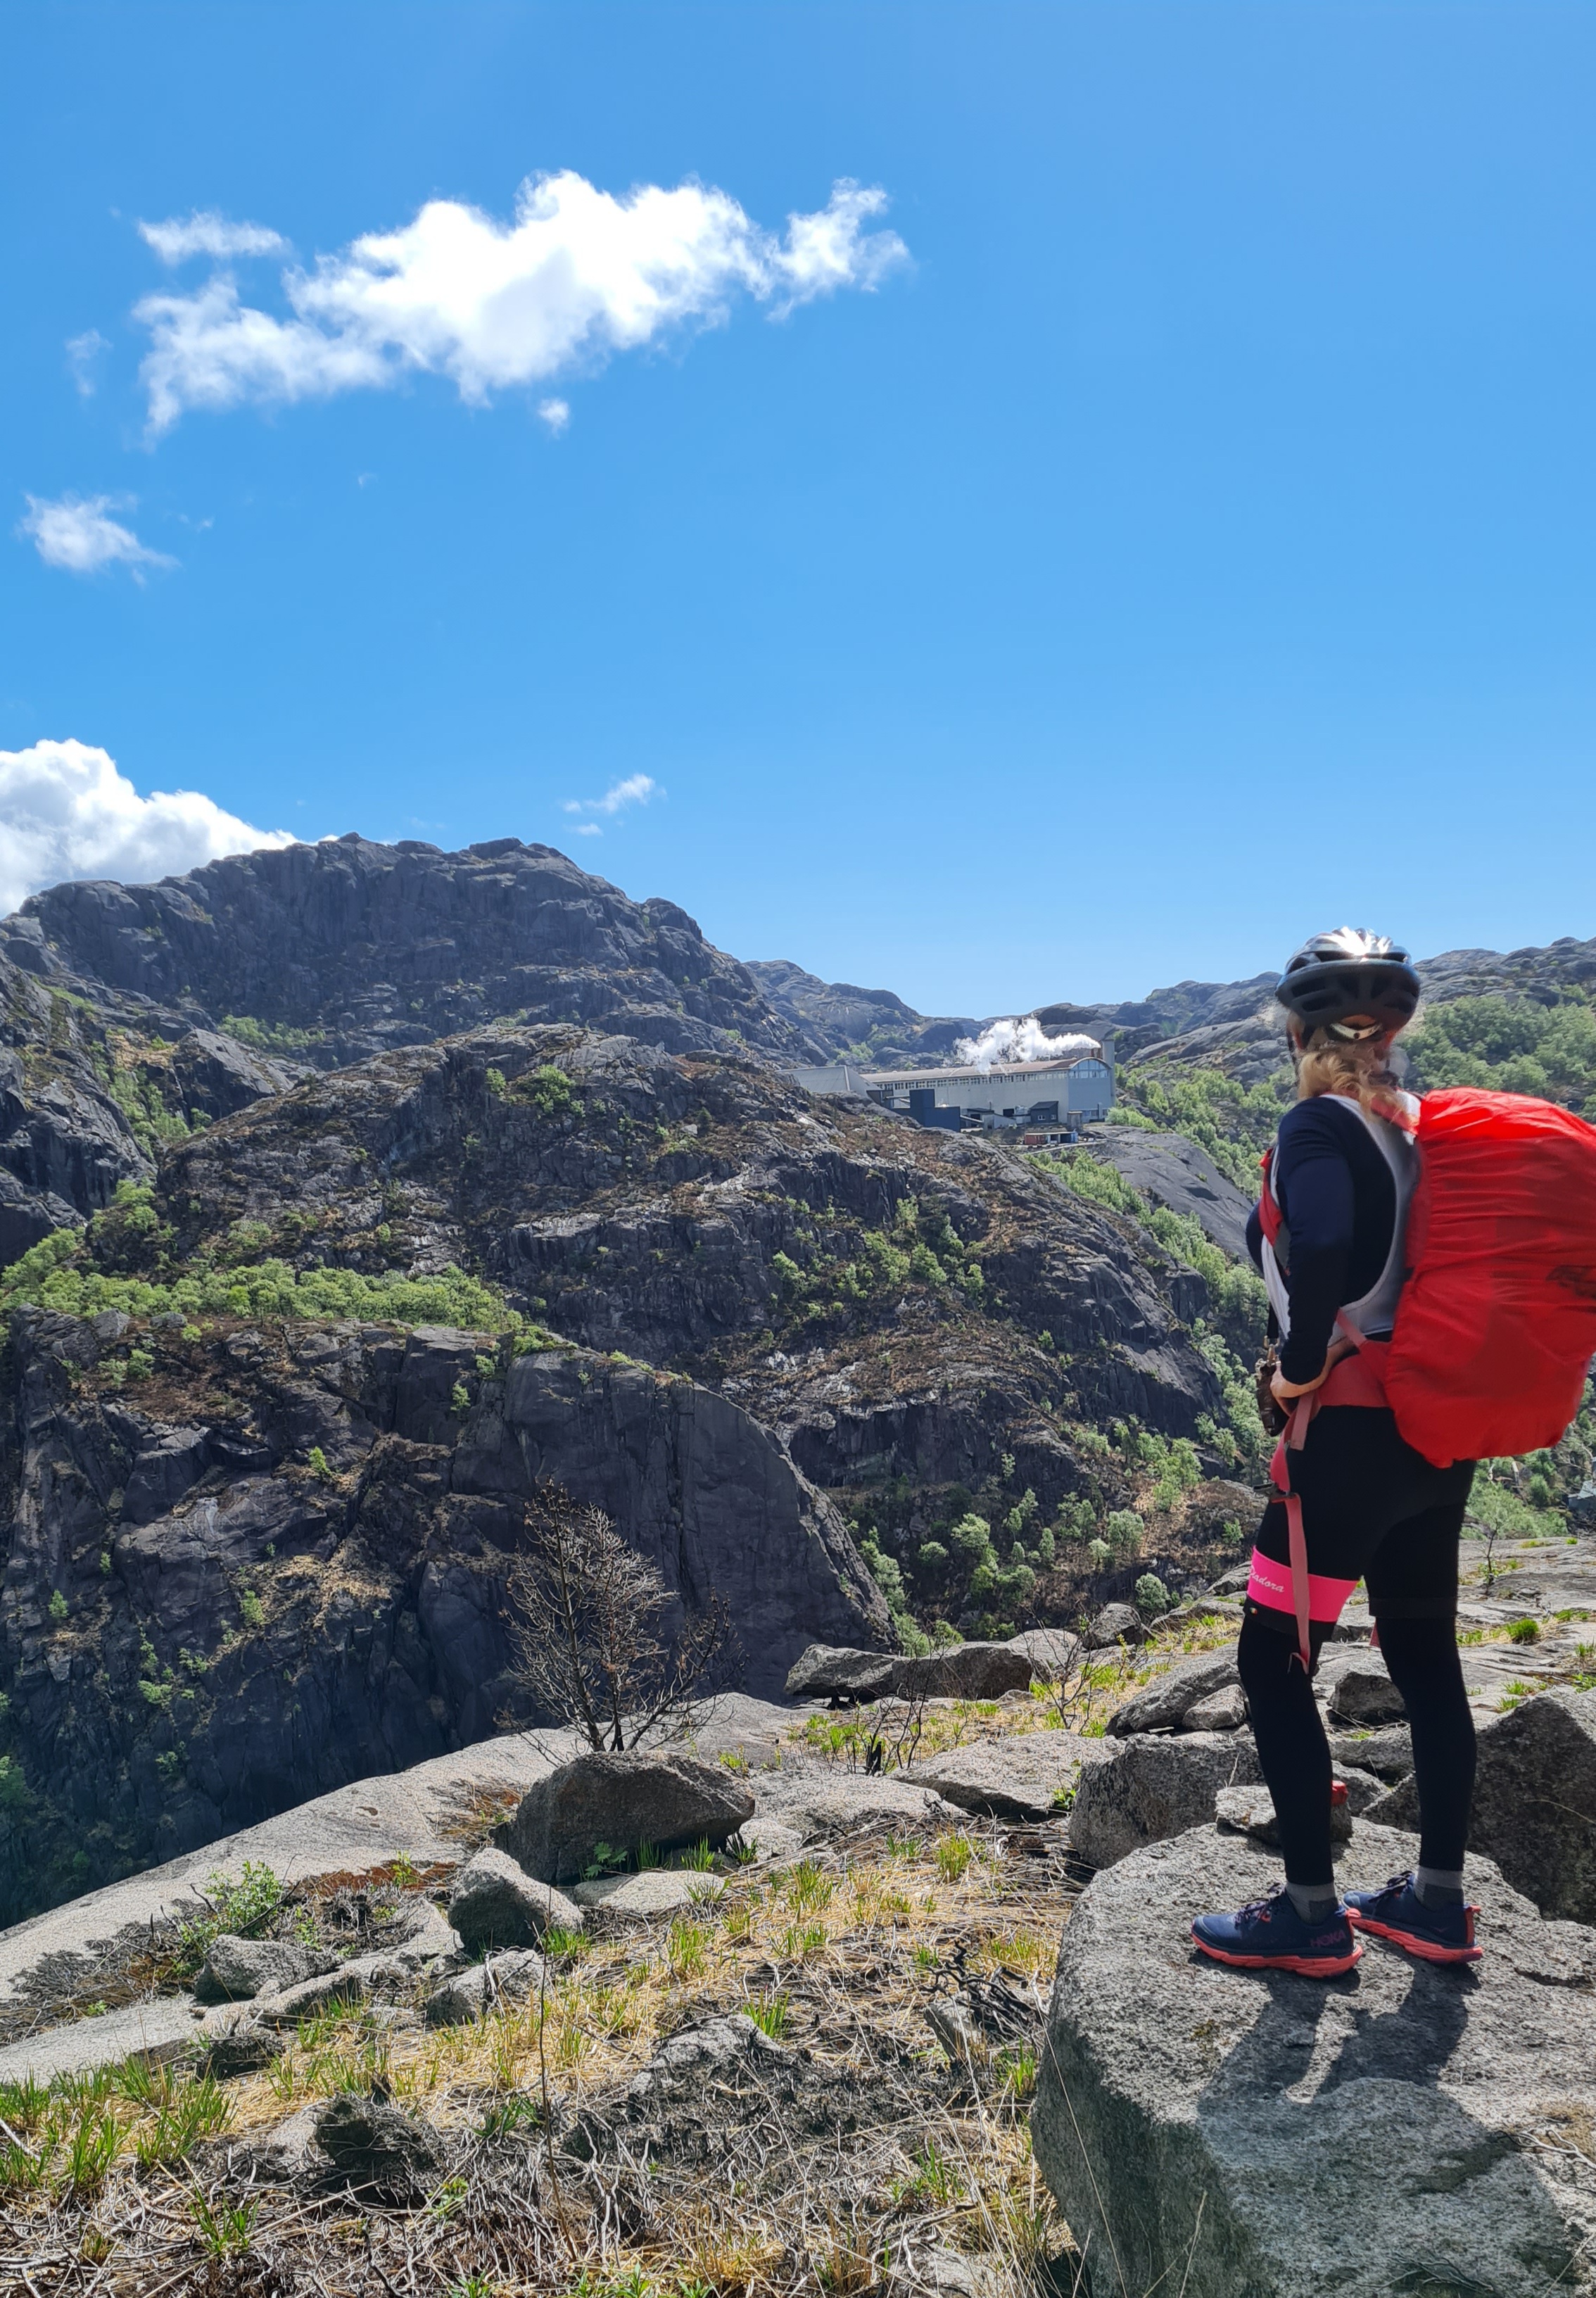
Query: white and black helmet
[1347, 971]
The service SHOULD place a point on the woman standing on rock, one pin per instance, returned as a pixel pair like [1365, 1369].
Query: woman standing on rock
[1357, 1502]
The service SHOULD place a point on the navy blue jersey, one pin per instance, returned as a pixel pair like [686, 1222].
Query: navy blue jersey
[1339, 1200]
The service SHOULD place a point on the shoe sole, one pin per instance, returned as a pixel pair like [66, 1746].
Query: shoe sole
[1305, 1966]
[1427, 1950]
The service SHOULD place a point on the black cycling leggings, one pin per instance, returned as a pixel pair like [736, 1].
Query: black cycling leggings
[1294, 1755]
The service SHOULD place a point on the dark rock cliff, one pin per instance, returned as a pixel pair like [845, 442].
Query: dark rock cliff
[275, 1562]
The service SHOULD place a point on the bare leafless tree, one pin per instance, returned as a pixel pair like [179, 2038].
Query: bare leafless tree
[587, 1618]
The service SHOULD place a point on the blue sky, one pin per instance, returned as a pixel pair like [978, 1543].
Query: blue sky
[1189, 544]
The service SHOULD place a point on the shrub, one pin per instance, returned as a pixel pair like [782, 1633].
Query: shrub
[57, 1607]
[1151, 1594]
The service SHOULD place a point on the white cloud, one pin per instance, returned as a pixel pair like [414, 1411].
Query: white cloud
[207, 232]
[83, 354]
[66, 811]
[556, 413]
[1001, 1042]
[577, 275]
[637, 789]
[76, 533]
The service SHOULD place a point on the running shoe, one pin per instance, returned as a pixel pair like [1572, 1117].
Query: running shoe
[1396, 1911]
[1269, 1934]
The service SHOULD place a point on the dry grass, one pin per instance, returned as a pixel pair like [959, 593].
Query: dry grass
[863, 2148]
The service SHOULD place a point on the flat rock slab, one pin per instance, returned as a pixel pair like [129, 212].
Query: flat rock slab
[1254, 2135]
[657, 1891]
[962, 1672]
[161, 2029]
[1019, 1778]
[847, 1803]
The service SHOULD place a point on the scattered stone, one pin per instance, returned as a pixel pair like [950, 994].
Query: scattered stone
[1250, 1811]
[656, 1891]
[936, 2272]
[1116, 1624]
[1233, 1582]
[1225, 1710]
[1236, 2132]
[829, 1671]
[495, 1903]
[465, 1995]
[1534, 1801]
[623, 1800]
[1358, 1689]
[1153, 1787]
[1025, 1777]
[1388, 1754]
[1053, 1653]
[1166, 1700]
[370, 2144]
[236, 1970]
[696, 2053]
[962, 1672]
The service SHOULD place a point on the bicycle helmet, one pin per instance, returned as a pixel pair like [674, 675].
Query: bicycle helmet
[1348, 972]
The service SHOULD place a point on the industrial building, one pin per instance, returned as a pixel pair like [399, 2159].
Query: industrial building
[1078, 1090]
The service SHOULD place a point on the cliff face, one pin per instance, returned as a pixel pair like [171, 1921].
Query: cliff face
[275, 1561]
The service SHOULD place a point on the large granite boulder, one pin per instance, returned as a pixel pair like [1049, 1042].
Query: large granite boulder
[494, 1902]
[1534, 1801]
[1228, 2134]
[1154, 1787]
[962, 1672]
[621, 1801]
[1053, 1653]
[1162, 1704]
[1116, 1624]
[836, 1672]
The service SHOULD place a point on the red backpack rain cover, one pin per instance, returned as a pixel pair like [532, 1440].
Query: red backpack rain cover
[1497, 1321]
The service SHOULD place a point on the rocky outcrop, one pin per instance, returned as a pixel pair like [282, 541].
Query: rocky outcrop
[338, 950]
[277, 1562]
[1534, 1801]
[1233, 2133]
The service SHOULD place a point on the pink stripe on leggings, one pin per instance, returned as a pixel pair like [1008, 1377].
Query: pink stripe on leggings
[1270, 1585]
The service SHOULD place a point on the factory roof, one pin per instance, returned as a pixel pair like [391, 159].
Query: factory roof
[997, 1073]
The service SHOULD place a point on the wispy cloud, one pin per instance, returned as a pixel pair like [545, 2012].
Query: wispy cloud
[77, 533]
[206, 233]
[66, 811]
[575, 276]
[84, 352]
[637, 789]
[556, 413]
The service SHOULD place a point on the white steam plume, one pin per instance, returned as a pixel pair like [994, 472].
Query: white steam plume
[1003, 1042]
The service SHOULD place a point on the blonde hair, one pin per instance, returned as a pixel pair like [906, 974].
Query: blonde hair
[1362, 1072]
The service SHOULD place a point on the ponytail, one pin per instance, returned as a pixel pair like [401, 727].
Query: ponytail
[1361, 1071]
